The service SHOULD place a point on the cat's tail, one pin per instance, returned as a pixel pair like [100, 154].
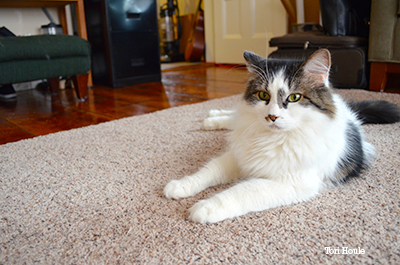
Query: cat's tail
[376, 111]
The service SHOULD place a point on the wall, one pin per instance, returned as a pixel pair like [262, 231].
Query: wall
[26, 21]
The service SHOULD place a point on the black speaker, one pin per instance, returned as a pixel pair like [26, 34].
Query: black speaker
[124, 38]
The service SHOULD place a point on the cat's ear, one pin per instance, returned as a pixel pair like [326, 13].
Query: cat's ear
[317, 66]
[254, 62]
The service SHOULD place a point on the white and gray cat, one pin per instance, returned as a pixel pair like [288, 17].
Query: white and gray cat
[291, 136]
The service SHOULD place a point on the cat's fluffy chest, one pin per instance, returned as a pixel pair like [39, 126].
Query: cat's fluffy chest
[262, 153]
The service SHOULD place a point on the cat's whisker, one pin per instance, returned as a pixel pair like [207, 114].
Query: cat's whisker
[261, 74]
[267, 69]
[239, 66]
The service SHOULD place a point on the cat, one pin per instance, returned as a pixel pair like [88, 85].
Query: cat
[292, 135]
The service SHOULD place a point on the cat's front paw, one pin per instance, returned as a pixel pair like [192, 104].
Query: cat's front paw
[211, 123]
[209, 211]
[218, 119]
[176, 189]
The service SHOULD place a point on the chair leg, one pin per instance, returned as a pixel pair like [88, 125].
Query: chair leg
[54, 84]
[81, 85]
[379, 74]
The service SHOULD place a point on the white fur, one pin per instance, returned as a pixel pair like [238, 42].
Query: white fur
[280, 163]
[219, 113]
[218, 119]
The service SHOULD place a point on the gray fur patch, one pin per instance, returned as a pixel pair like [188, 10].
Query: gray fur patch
[318, 97]
[253, 87]
[353, 161]
[282, 99]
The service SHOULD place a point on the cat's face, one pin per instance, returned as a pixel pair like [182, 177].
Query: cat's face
[286, 94]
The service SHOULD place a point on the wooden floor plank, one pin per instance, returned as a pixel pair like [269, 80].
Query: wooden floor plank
[11, 133]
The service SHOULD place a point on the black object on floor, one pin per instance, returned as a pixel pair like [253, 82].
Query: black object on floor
[350, 67]
[7, 92]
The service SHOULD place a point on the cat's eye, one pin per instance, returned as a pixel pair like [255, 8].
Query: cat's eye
[294, 97]
[264, 96]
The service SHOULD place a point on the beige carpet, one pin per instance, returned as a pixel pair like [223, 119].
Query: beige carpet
[94, 196]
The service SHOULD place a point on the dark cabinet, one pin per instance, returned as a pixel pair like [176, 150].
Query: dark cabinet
[125, 42]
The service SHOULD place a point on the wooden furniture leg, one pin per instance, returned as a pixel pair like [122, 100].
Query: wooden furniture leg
[378, 74]
[82, 32]
[81, 85]
[81, 21]
[54, 84]
[80, 17]
[62, 16]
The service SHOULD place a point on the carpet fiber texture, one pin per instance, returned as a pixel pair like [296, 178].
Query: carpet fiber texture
[94, 196]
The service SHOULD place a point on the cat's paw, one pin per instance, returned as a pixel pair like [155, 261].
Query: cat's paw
[176, 189]
[218, 119]
[218, 122]
[209, 211]
[211, 123]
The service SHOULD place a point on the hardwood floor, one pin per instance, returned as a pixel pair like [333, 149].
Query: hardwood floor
[37, 112]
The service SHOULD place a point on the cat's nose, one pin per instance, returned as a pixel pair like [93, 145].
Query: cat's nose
[272, 117]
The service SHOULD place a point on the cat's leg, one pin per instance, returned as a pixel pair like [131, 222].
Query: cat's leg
[251, 196]
[218, 119]
[220, 170]
[222, 112]
[218, 122]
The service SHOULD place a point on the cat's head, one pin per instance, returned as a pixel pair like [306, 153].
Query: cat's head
[286, 93]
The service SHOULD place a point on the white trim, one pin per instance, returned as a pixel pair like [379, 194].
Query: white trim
[209, 30]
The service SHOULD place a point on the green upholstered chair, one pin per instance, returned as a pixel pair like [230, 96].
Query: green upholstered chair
[24, 59]
[384, 42]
